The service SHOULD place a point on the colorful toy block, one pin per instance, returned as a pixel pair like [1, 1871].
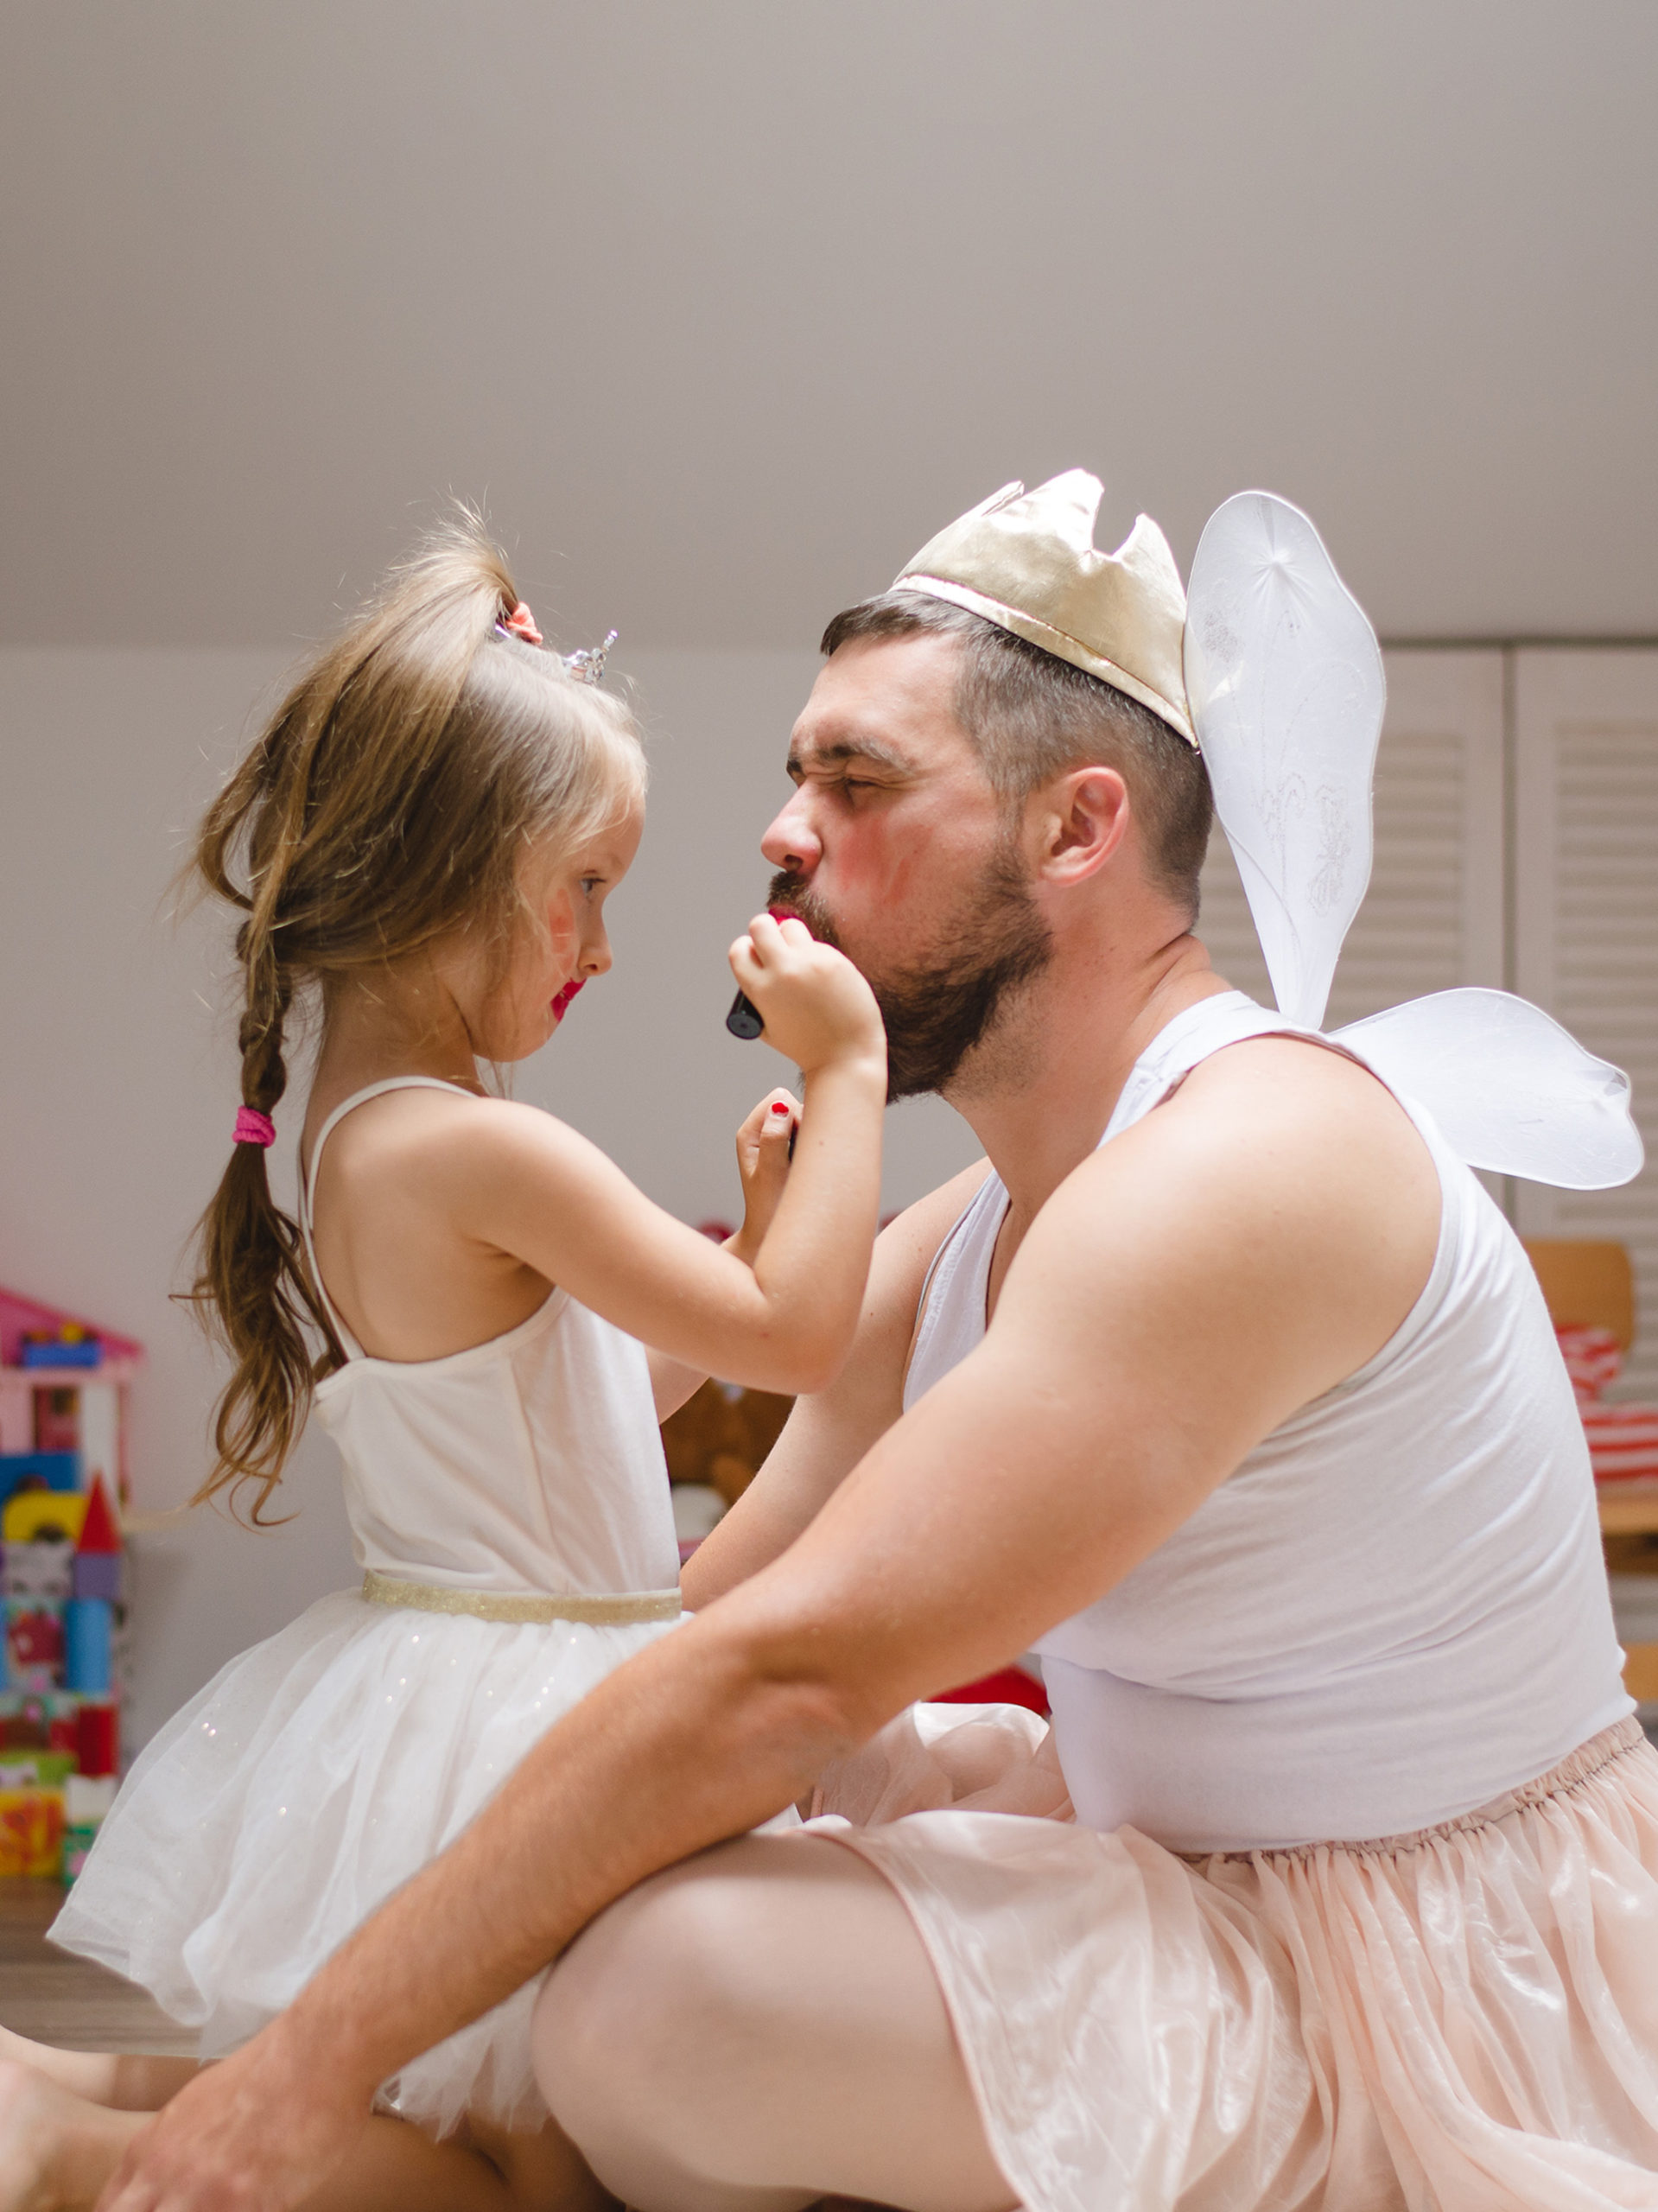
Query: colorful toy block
[87, 1623]
[31, 1816]
[53, 1352]
[28, 1470]
[86, 1801]
[34, 1643]
[43, 1567]
[33, 1516]
[64, 1637]
[97, 1750]
[97, 1560]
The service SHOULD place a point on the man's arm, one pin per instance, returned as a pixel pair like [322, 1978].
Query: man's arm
[1230, 1259]
[826, 1434]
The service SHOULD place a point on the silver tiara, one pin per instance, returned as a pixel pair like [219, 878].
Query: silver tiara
[588, 666]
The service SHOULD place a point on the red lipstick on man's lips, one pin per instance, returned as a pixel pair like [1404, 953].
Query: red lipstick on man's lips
[562, 999]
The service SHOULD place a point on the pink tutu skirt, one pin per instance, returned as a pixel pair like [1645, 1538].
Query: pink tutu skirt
[1461, 2020]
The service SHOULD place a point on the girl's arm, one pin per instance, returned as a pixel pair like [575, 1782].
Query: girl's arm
[826, 1436]
[524, 1184]
[763, 1165]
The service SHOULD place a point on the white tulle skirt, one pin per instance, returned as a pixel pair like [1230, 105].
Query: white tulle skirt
[1462, 2020]
[311, 1778]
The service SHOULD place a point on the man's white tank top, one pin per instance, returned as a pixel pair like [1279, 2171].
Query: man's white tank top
[1394, 1610]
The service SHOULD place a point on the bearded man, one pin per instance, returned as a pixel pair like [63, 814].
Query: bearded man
[1223, 1384]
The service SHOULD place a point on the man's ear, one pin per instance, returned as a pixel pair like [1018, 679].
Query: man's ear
[1083, 816]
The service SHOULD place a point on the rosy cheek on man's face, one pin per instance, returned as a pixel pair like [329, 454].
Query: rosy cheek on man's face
[882, 880]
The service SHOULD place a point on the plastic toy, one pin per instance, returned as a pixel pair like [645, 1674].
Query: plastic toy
[98, 1745]
[88, 1624]
[64, 1382]
[86, 1799]
[41, 1568]
[95, 1568]
[39, 1516]
[34, 1643]
[23, 1471]
[31, 1822]
[67, 1350]
[64, 1385]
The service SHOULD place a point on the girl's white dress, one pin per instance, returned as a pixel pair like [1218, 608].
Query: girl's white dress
[320, 1770]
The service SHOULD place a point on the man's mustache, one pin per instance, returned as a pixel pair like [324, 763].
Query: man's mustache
[789, 894]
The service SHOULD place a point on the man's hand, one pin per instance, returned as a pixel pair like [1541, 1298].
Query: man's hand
[259, 2132]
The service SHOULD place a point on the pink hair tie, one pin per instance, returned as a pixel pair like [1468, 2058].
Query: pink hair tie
[254, 1128]
[520, 623]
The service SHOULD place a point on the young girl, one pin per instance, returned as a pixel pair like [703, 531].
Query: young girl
[427, 832]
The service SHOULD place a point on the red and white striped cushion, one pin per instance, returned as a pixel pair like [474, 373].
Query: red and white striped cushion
[1623, 1442]
[1623, 1439]
[1592, 1359]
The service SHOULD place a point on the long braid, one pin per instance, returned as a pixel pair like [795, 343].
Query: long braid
[254, 1283]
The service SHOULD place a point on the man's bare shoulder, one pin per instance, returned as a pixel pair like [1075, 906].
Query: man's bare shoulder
[1280, 1198]
[1287, 1134]
[1257, 1096]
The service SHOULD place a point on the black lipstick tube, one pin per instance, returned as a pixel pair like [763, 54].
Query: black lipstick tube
[744, 1019]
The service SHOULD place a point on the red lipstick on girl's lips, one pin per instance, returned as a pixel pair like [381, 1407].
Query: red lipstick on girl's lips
[562, 999]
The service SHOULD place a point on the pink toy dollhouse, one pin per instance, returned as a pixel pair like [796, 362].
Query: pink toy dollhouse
[44, 1401]
[64, 1476]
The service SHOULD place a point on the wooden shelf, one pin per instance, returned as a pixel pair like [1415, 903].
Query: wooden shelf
[1628, 1516]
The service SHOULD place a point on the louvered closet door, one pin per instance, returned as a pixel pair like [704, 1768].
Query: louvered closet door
[1586, 921]
[1433, 917]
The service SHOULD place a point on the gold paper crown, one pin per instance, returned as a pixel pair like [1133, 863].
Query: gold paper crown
[1027, 561]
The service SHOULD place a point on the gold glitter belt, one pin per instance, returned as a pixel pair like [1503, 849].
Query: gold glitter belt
[614, 1608]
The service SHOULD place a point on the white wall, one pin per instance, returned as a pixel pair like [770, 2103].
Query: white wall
[118, 1072]
[728, 308]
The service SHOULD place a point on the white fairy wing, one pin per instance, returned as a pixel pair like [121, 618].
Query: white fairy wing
[1509, 1090]
[1284, 682]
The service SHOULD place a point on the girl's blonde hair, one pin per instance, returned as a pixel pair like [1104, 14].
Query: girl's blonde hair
[386, 806]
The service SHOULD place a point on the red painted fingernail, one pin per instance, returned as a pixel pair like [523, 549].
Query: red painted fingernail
[778, 1106]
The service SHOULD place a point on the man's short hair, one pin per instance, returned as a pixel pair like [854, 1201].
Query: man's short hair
[1030, 716]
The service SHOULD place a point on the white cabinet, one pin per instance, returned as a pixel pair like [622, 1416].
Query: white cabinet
[1585, 919]
[1517, 843]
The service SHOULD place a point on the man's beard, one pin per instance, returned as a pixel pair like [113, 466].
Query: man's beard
[938, 1010]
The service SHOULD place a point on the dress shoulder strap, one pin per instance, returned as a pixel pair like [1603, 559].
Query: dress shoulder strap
[308, 1179]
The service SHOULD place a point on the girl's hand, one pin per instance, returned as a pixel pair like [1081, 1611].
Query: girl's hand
[816, 1005]
[763, 1147]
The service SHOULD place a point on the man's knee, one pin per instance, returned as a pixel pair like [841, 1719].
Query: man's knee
[636, 2019]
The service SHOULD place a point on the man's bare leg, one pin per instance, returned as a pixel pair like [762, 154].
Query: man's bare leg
[57, 2151]
[758, 2028]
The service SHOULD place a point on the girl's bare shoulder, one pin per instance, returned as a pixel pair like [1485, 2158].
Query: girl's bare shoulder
[431, 1138]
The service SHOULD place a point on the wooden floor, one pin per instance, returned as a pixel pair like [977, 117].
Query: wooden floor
[54, 1999]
